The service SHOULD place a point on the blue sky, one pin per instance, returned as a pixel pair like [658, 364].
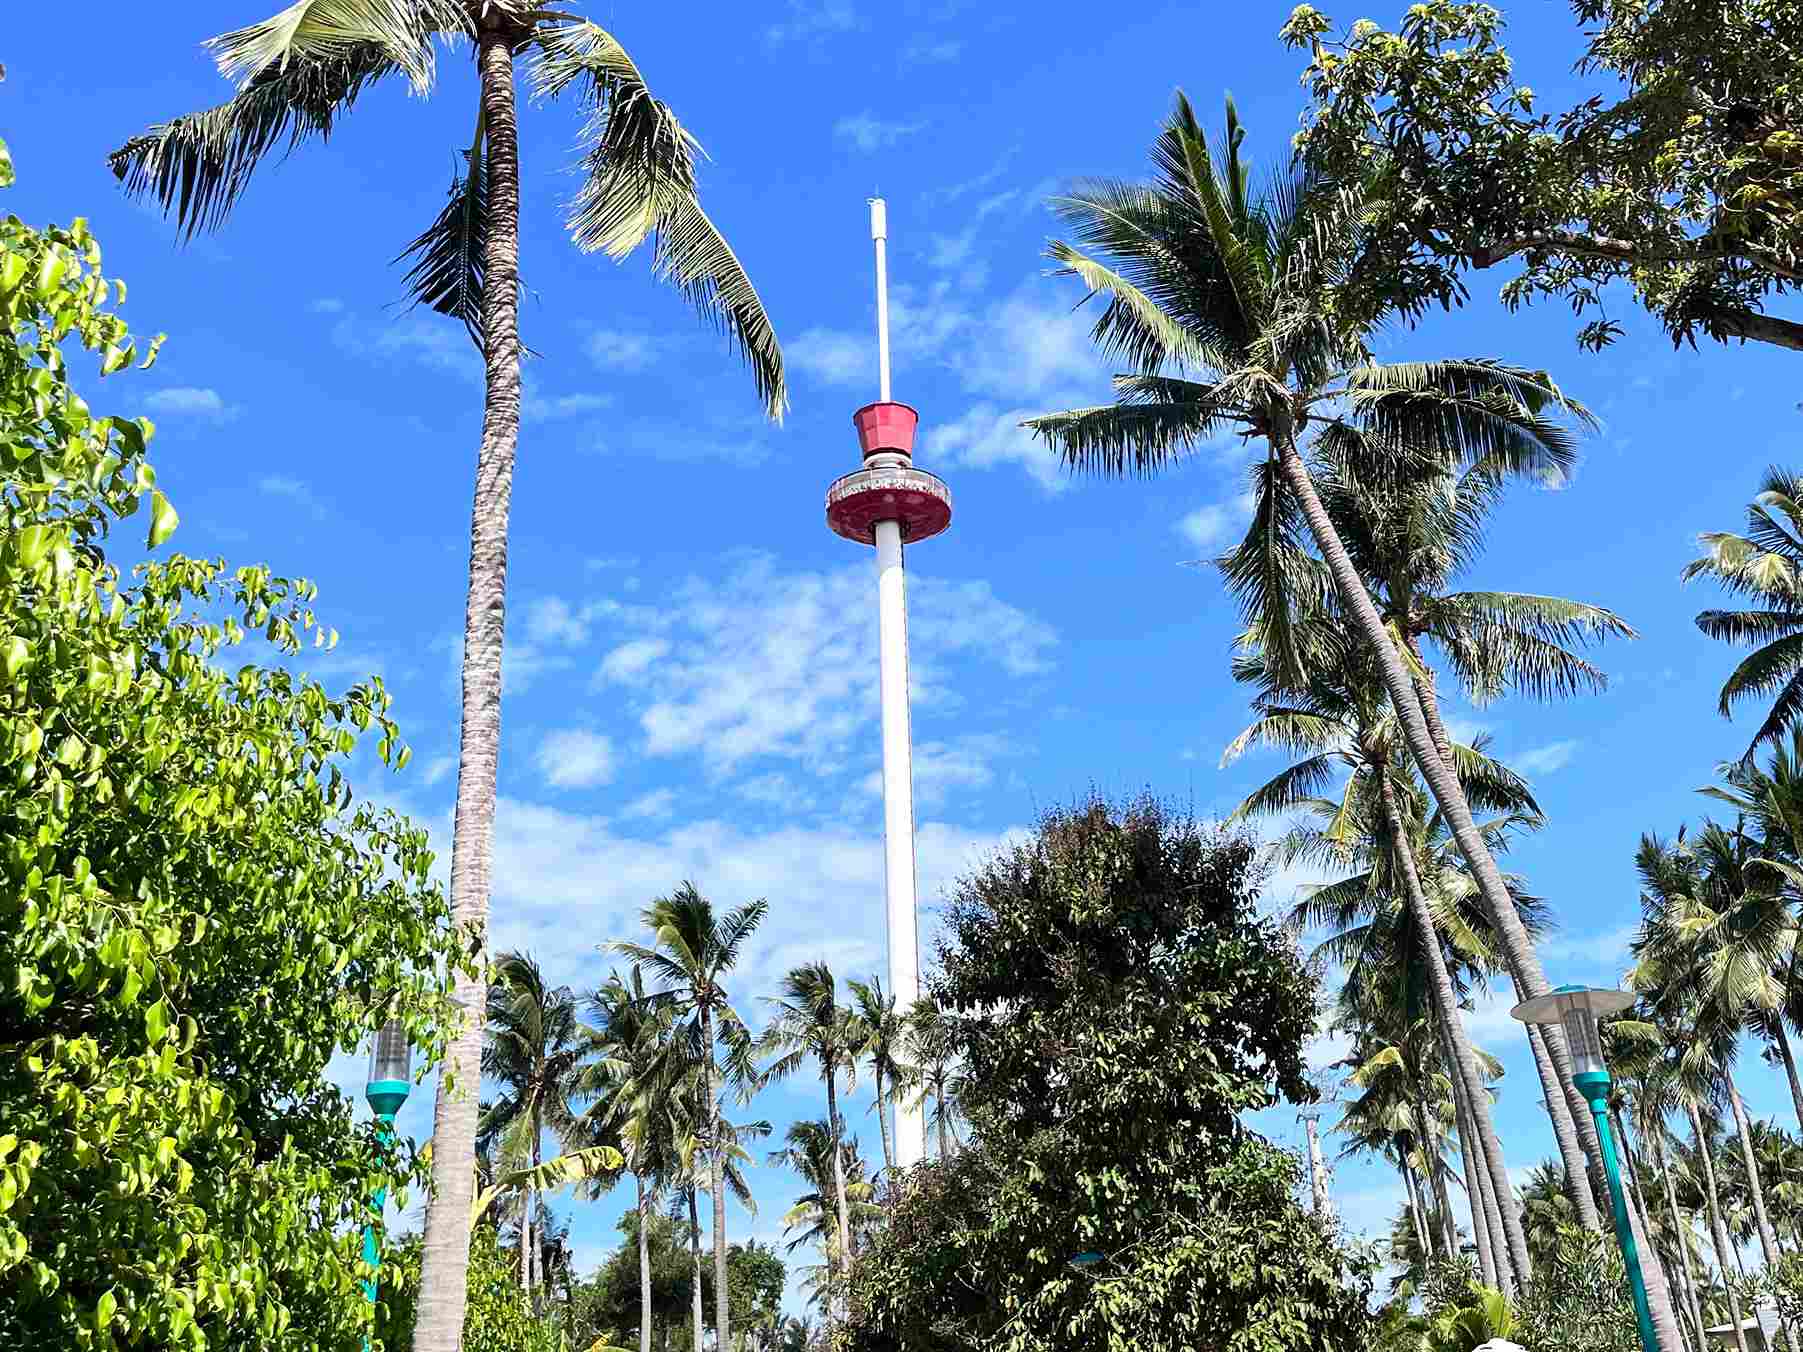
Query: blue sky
[691, 676]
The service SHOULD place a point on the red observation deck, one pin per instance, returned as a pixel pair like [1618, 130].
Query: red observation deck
[890, 489]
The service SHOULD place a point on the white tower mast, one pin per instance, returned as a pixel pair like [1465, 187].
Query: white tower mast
[887, 503]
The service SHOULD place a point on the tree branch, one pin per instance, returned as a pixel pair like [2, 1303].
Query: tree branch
[1625, 251]
[1756, 327]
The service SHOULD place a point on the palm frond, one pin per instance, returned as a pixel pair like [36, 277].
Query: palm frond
[450, 256]
[334, 30]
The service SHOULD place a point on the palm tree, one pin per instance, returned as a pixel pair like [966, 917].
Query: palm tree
[808, 1149]
[884, 1047]
[1342, 720]
[297, 73]
[930, 1048]
[1251, 295]
[694, 950]
[535, 1050]
[810, 1022]
[1765, 565]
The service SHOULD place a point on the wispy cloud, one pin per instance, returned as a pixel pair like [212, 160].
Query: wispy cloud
[1214, 525]
[431, 341]
[302, 496]
[985, 437]
[867, 132]
[833, 356]
[537, 407]
[614, 350]
[813, 20]
[191, 401]
[575, 758]
[1543, 760]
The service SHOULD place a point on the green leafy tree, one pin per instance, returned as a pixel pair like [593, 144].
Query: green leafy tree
[1118, 1005]
[198, 910]
[297, 73]
[499, 1316]
[1680, 175]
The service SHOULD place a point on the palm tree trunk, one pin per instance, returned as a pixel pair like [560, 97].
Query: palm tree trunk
[1717, 1231]
[644, 1266]
[1464, 1065]
[1680, 1237]
[882, 1124]
[1782, 1040]
[695, 1264]
[1417, 1213]
[832, 1113]
[1486, 1221]
[1768, 1242]
[717, 1170]
[1577, 1169]
[943, 1112]
[526, 1213]
[444, 1269]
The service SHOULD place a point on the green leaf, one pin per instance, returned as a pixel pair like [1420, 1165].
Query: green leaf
[163, 519]
[156, 1022]
[14, 657]
[8, 176]
[103, 1311]
[33, 544]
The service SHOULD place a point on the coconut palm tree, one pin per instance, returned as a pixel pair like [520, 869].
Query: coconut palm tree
[1234, 316]
[810, 1022]
[808, 1149]
[694, 950]
[1766, 566]
[1342, 721]
[297, 73]
[885, 1049]
[534, 1052]
[930, 1048]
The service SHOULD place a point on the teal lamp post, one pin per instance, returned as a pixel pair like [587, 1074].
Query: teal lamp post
[1577, 1009]
[390, 1077]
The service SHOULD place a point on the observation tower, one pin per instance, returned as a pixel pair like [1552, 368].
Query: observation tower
[890, 504]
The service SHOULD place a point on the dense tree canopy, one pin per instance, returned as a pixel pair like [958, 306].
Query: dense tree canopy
[1118, 1005]
[1682, 180]
[192, 894]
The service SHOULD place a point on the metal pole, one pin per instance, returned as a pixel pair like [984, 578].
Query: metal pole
[372, 1249]
[879, 231]
[898, 813]
[1594, 1086]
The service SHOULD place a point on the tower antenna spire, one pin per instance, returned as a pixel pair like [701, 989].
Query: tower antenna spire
[879, 234]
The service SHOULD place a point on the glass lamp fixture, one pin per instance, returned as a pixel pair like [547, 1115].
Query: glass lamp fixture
[390, 1069]
[1578, 1009]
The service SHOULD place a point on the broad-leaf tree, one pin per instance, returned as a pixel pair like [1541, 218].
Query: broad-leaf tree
[1678, 171]
[199, 910]
[297, 73]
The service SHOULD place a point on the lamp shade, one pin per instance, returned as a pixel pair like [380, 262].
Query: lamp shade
[391, 1058]
[1577, 1009]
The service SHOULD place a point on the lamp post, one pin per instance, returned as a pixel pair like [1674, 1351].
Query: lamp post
[1577, 1009]
[390, 1078]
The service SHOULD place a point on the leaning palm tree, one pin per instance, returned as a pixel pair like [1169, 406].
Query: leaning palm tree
[297, 73]
[535, 1051]
[810, 1022]
[694, 950]
[885, 1049]
[1766, 566]
[1250, 316]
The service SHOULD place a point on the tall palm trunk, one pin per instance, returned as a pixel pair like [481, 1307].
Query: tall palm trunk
[444, 1270]
[644, 1265]
[1570, 1116]
[832, 1113]
[882, 1123]
[526, 1212]
[1680, 1237]
[1517, 948]
[1486, 1220]
[1781, 1040]
[1417, 1213]
[1464, 1068]
[1768, 1242]
[717, 1180]
[1718, 1232]
[695, 1264]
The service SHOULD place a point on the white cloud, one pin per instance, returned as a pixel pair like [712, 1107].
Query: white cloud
[192, 402]
[432, 341]
[985, 437]
[801, 682]
[551, 619]
[612, 350]
[655, 804]
[867, 132]
[1543, 760]
[575, 759]
[438, 768]
[295, 491]
[628, 662]
[833, 357]
[812, 20]
[541, 408]
[1217, 523]
[941, 767]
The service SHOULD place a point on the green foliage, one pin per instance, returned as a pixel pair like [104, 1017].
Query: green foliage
[1117, 1004]
[496, 1318]
[1579, 1298]
[606, 1307]
[196, 911]
[1683, 179]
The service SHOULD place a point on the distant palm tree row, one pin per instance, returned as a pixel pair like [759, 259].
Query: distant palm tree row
[637, 1076]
